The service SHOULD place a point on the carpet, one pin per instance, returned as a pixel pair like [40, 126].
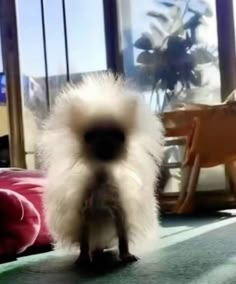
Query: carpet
[200, 249]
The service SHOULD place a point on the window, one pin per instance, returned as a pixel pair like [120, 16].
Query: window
[84, 28]
[32, 56]
[86, 38]
[170, 50]
[47, 29]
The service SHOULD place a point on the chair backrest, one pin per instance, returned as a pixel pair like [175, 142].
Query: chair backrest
[216, 141]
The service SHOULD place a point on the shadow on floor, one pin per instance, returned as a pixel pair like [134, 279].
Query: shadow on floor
[196, 220]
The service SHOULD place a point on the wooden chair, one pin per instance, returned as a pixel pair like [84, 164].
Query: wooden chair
[211, 141]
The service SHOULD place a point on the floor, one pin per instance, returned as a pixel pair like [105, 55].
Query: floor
[193, 250]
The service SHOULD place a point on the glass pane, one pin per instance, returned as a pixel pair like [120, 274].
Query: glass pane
[55, 47]
[170, 50]
[31, 56]
[87, 52]
[55, 37]
[33, 73]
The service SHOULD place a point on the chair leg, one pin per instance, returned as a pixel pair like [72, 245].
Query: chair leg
[231, 172]
[188, 204]
[185, 175]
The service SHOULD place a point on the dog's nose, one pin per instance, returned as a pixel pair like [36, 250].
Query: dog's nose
[105, 142]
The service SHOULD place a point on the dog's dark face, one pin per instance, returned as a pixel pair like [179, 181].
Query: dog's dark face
[105, 141]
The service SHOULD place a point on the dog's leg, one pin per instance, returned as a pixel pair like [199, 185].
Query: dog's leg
[97, 255]
[120, 223]
[84, 257]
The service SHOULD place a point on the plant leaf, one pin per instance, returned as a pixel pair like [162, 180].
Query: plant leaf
[164, 18]
[168, 3]
[145, 58]
[195, 78]
[144, 42]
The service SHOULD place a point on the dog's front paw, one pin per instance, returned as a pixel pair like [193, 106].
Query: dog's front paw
[128, 258]
[84, 260]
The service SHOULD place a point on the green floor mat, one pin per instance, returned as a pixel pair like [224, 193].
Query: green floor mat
[193, 250]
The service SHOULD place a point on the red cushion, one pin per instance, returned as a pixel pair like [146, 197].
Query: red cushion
[30, 185]
[20, 223]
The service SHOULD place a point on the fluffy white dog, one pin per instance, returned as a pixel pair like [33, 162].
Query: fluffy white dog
[102, 148]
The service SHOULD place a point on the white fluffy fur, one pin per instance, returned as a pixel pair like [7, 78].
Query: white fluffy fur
[68, 172]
